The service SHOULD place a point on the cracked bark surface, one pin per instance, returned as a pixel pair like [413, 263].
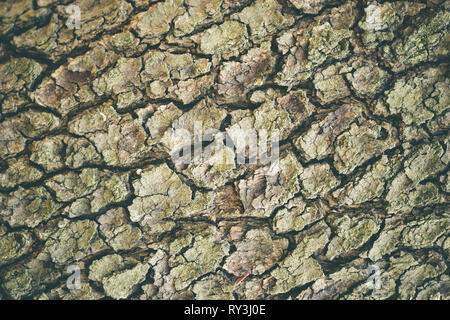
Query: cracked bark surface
[359, 91]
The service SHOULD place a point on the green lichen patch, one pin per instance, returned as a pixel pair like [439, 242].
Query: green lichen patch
[226, 40]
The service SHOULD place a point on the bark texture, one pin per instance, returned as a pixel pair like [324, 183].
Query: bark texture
[355, 207]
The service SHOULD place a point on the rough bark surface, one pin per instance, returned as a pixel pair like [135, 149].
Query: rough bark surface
[357, 208]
